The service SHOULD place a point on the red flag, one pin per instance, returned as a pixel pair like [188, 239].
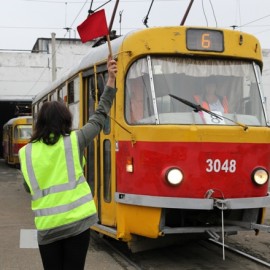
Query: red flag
[94, 26]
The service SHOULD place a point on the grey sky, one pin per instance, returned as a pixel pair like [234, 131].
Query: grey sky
[23, 21]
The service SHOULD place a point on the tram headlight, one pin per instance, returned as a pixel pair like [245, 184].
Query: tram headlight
[260, 176]
[174, 176]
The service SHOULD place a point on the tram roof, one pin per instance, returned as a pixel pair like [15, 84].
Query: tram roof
[12, 120]
[96, 54]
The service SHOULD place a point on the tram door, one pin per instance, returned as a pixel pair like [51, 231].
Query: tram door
[100, 169]
[107, 187]
[106, 150]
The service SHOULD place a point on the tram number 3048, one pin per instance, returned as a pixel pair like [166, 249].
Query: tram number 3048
[216, 165]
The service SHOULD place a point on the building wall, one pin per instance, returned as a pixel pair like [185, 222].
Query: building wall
[23, 75]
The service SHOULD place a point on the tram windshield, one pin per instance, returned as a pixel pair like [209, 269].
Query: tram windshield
[23, 132]
[228, 88]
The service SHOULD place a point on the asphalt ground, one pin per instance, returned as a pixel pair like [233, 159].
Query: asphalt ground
[18, 247]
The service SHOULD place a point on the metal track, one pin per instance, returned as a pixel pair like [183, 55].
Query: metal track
[110, 247]
[240, 252]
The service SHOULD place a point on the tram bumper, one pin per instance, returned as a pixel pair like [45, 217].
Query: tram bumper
[193, 203]
[242, 203]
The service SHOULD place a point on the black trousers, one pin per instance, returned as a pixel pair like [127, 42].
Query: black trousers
[66, 254]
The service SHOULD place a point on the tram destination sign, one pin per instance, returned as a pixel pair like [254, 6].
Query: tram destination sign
[204, 40]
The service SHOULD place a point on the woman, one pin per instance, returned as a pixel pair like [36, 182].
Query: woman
[52, 166]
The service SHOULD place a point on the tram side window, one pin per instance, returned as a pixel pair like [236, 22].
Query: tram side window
[71, 94]
[35, 112]
[92, 95]
[74, 101]
[100, 84]
[62, 94]
[107, 170]
[53, 96]
[37, 108]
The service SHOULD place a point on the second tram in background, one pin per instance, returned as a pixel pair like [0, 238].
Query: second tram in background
[168, 161]
[16, 133]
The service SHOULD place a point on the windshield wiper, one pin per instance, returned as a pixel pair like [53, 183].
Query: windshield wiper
[199, 108]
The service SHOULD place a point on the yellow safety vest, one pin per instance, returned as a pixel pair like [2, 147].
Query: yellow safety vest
[54, 174]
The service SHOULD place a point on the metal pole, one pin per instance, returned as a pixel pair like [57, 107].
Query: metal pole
[113, 15]
[187, 11]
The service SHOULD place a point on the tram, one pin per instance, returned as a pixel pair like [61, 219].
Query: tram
[166, 164]
[16, 133]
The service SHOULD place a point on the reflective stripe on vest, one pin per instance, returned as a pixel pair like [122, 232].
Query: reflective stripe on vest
[62, 208]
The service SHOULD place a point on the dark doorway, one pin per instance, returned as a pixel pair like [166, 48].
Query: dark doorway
[12, 109]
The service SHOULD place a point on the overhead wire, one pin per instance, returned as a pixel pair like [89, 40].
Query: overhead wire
[255, 20]
[204, 13]
[239, 11]
[35, 83]
[213, 11]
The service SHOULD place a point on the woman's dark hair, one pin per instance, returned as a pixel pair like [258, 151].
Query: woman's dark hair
[54, 119]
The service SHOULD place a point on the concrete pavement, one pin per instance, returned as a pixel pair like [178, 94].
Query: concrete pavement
[18, 248]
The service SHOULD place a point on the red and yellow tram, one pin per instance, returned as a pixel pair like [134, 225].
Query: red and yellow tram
[16, 133]
[165, 164]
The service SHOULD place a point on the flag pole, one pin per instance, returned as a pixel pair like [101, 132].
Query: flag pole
[110, 27]
[109, 45]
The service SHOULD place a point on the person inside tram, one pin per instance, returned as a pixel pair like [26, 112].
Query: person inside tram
[210, 99]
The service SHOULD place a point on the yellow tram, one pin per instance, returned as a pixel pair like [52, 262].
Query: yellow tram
[16, 133]
[164, 164]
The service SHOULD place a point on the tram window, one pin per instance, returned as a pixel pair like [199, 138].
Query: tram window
[91, 166]
[71, 94]
[64, 95]
[73, 91]
[100, 84]
[43, 101]
[23, 131]
[60, 93]
[107, 170]
[16, 133]
[75, 111]
[53, 96]
[92, 92]
[138, 103]
[35, 111]
[73, 101]
[236, 89]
